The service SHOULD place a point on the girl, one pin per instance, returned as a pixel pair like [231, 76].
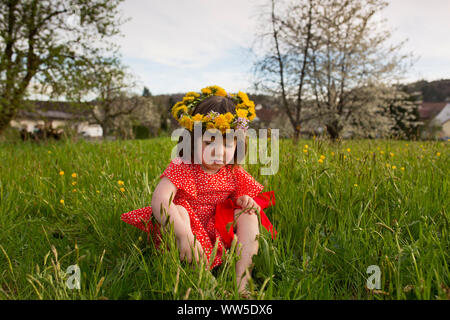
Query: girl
[210, 196]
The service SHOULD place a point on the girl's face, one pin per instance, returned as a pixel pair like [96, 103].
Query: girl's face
[216, 155]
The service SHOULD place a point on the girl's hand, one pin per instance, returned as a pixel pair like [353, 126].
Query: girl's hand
[185, 243]
[246, 202]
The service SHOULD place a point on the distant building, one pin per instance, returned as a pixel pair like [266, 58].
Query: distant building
[56, 114]
[436, 116]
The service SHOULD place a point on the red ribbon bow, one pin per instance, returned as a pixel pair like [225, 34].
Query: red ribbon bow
[225, 216]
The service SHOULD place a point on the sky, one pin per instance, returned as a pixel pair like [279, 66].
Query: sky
[175, 46]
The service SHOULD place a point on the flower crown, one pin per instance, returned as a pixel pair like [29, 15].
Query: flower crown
[245, 111]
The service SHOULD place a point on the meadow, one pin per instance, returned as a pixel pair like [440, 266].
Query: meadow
[340, 208]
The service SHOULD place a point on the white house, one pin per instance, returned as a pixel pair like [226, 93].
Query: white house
[56, 114]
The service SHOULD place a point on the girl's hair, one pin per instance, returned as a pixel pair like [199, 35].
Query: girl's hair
[221, 105]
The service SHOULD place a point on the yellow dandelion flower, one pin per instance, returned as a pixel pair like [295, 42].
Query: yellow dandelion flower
[120, 183]
[402, 168]
[332, 153]
[49, 152]
[345, 157]
[242, 113]
[220, 92]
[320, 161]
[197, 117]
[322, 157]
[210, 126]
[252, 114]
[382, 152]
[192, 94]
[391, 154]
[355, 185]
[206, 91]
[122, 189]
[229, 116]
[74, 190]
[348, 149]
[438, 154]
[61, 201]
[394, 167]
[74, 175]
[74, 183]
[187, 123]
[306, 146]
[243, 96]
[305, 150]
[61, 173]
[98, 191]
[140, 238]
[188, 99]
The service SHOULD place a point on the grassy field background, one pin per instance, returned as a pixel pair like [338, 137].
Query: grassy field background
[367, 202]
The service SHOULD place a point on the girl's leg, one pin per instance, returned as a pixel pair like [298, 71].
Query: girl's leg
[247, 228]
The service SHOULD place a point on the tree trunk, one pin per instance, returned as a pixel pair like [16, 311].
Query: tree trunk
[6, 115]
[334, 130]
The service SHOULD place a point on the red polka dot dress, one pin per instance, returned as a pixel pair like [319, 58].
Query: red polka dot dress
[203, 194]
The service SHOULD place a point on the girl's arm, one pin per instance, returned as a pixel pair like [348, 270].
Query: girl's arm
[160, 198]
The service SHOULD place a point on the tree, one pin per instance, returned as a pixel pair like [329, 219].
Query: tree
[44, 41]
[146, 92]
[327, 50]
[106, 90]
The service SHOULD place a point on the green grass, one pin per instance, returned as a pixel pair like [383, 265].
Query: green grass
[334, 219]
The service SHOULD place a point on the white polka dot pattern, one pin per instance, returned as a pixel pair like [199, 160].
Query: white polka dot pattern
[199, 192]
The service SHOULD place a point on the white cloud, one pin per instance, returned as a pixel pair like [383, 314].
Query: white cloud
[178, 46]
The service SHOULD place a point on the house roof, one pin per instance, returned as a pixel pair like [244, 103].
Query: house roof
[52, 110]
[444, 115]
[429, 110]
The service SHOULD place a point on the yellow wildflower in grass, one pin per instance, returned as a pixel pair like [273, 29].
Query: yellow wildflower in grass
[387, 165]
[322, 157]
[61, 173]
[74, 175]
[438, 154]
[122, 189]
[98, 191]
[306, 146]
[305, 150]
[120, 183]
[140, 238]
[402, 168]
[345, 157]
[74, 183]
[348, 149]
[394, 167]
[320, 161]
[355, 185]
[74, 190]
[61, 201]
[382, 152]
[391, 154]
[332, 153]
[49, 152]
